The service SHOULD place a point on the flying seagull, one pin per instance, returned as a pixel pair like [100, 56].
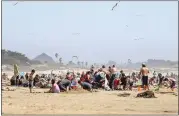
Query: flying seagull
[75, 33]
[138, 38]
[115, 5]
[139, 15]
[15, 3]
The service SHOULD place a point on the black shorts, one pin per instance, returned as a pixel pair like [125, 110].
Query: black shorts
[144, 80]
[30, 84]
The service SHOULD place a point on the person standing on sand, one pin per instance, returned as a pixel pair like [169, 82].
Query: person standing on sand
[123, 79]
[30, 79]
[113, 76]
[144, 71]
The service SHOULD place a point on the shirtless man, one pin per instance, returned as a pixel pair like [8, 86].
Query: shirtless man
[144, 71]
[113, 70]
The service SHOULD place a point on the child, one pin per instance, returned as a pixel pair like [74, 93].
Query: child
[55, 88]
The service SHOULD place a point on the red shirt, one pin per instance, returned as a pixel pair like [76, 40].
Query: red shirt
[82, 79]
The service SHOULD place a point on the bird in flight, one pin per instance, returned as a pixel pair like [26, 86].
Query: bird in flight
[115, 5]
[139, 15]
[138, 38]
[17, 3]
[75, 33]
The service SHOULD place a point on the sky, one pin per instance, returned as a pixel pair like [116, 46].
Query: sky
[35, 27]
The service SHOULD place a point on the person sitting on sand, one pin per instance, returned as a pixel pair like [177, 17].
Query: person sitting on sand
[64, 85]
[87, 77]
[134, 77]
[160, 79]
[131, 81]
[172, 82]
[69, 76]
[82, 78]
[74, 83]
[55, 88]
[36, 79]
[85, 85]
[154, 74]
[21, 80]
[26, 76]
[151, 80]
[116, 83]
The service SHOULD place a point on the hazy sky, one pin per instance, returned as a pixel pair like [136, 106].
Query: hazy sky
[35, 27]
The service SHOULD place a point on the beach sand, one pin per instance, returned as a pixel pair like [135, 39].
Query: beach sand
[21, 101]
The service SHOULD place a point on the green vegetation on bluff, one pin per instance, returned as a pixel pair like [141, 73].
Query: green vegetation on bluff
[11, 57]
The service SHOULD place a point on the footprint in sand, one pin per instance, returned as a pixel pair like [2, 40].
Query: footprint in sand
[108, 107]
[9, 97]
[129, 110]
[168, 111]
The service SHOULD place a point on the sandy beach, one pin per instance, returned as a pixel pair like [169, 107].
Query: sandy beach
[87, 54]
[21, 101]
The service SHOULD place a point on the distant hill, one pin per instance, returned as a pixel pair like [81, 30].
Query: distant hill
[44, 58]
[11, 57]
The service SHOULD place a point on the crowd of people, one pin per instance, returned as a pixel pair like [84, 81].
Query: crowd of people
[102, 78]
